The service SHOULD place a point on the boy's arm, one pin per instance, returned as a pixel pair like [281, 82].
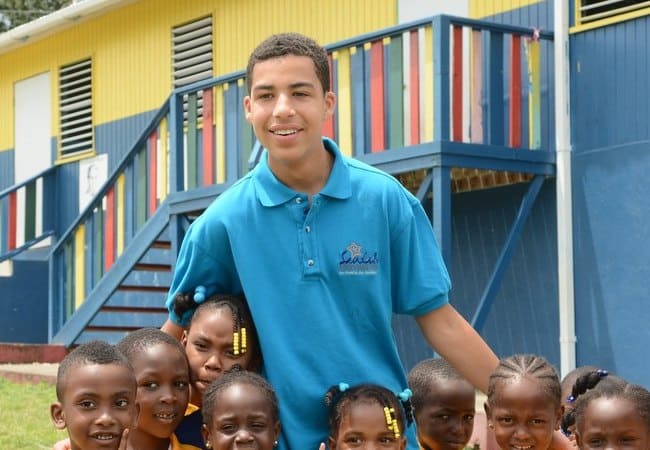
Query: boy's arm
[172, 329]
[451, 336]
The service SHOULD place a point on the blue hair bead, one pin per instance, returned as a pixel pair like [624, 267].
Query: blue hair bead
[602, 373]
[343, 387]
[570, 399]
[199, 294]
[405, 394]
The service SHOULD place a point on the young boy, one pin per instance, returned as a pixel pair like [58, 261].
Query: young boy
[325, 249]
[95, 389]
[444, 404]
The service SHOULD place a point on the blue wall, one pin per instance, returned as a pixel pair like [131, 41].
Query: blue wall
[610, 97]
[524, 317]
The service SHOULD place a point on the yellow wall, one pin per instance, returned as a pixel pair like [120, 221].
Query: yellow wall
[131, 46]
[484, 8]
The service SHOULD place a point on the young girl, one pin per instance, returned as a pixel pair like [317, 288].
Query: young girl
[240, 409]
[367, 416]
[523, 403]
[613, 415]
[220, 335]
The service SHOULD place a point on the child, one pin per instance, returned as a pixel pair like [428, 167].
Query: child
[575, 383]
[240, 409]
[613, 415]
[95, 390]
[163, 377]
[523, 403]
[220, 335]
[444, 405]
[367, 416]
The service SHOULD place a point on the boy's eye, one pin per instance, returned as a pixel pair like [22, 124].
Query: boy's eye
[386, 439]
[300, 94]
[353, 440]
[258, 426]
[181, 384]
[595, 442]
[444, 417]
[468, 418]
[121, 403]
[87, 404]
[537, 421]
[150, 385]
[505, 420]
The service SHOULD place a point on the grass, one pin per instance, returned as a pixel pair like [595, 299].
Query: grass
[25, 416]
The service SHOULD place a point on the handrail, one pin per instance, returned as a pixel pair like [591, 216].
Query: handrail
[113, 177]
[15, 187]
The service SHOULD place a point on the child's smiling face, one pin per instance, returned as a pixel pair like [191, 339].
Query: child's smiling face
[98, 404]
[242, 417]
[523, 415]
[163, 379]
[364, 427]
[612, 424]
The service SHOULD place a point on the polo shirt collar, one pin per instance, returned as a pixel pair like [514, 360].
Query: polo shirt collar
[272, 192]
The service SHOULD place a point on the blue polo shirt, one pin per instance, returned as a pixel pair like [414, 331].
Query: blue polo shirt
[322, 280]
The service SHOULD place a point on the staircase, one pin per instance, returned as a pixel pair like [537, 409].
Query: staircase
[402, 106]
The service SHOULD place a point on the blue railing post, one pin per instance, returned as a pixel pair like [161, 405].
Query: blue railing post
[441, 84]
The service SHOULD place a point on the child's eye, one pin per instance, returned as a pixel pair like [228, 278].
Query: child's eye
[386, 440]
[227, 428]
[87, 404]
[537, 421]
[200, 345]
[265, 96]
[181, 384]
[505, 420]
[595, 442]
[468, 418]
[300, 94]
[121, 403]
[150, 385]
[354, 440]
[444, 417]
[258, 426]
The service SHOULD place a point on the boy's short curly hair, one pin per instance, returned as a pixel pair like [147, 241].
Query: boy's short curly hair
[279, 45]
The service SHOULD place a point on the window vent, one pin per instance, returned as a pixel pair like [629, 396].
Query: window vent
[591, 10]
[192, 47]
[75, 107]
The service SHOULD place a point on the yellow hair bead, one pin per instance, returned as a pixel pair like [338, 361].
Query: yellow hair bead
[387, 414]
[235, 343]
[243, 340]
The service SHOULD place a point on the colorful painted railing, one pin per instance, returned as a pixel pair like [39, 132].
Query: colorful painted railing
[27, 213]
[440, 79]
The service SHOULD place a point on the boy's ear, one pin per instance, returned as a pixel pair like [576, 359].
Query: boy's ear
[184, 338]
[57, 415]
[330, 103]
[247, 107]
[558, 417]
[488, 416]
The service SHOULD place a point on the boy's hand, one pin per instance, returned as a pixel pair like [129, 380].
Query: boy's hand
[124, 440]
[321, 446]
[62, 445]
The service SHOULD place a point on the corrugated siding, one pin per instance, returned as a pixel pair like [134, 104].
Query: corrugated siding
[611, 139]
[524, 316]
[480, 9]
[6, 169]
[131, 46]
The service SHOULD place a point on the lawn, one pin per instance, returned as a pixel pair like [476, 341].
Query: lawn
[25, 416]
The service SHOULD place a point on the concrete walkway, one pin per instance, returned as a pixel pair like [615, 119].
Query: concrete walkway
[31, 372]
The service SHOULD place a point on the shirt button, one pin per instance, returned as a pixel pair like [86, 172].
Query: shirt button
[308, 229]
[310, 262]
[298, 200]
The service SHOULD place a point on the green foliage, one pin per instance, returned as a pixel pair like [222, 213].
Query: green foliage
[18, 12]
[25, 416]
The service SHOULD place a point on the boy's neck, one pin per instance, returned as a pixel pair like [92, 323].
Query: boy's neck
[139, 440]
[309, 176]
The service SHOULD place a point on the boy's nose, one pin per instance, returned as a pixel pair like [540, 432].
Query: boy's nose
[105, 418]
[283, 106]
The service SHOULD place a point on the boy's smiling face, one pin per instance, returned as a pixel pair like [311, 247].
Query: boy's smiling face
[287, 108]
[98, 404]
[163, 380]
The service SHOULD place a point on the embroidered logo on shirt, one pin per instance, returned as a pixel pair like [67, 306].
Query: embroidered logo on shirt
[354, 260]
